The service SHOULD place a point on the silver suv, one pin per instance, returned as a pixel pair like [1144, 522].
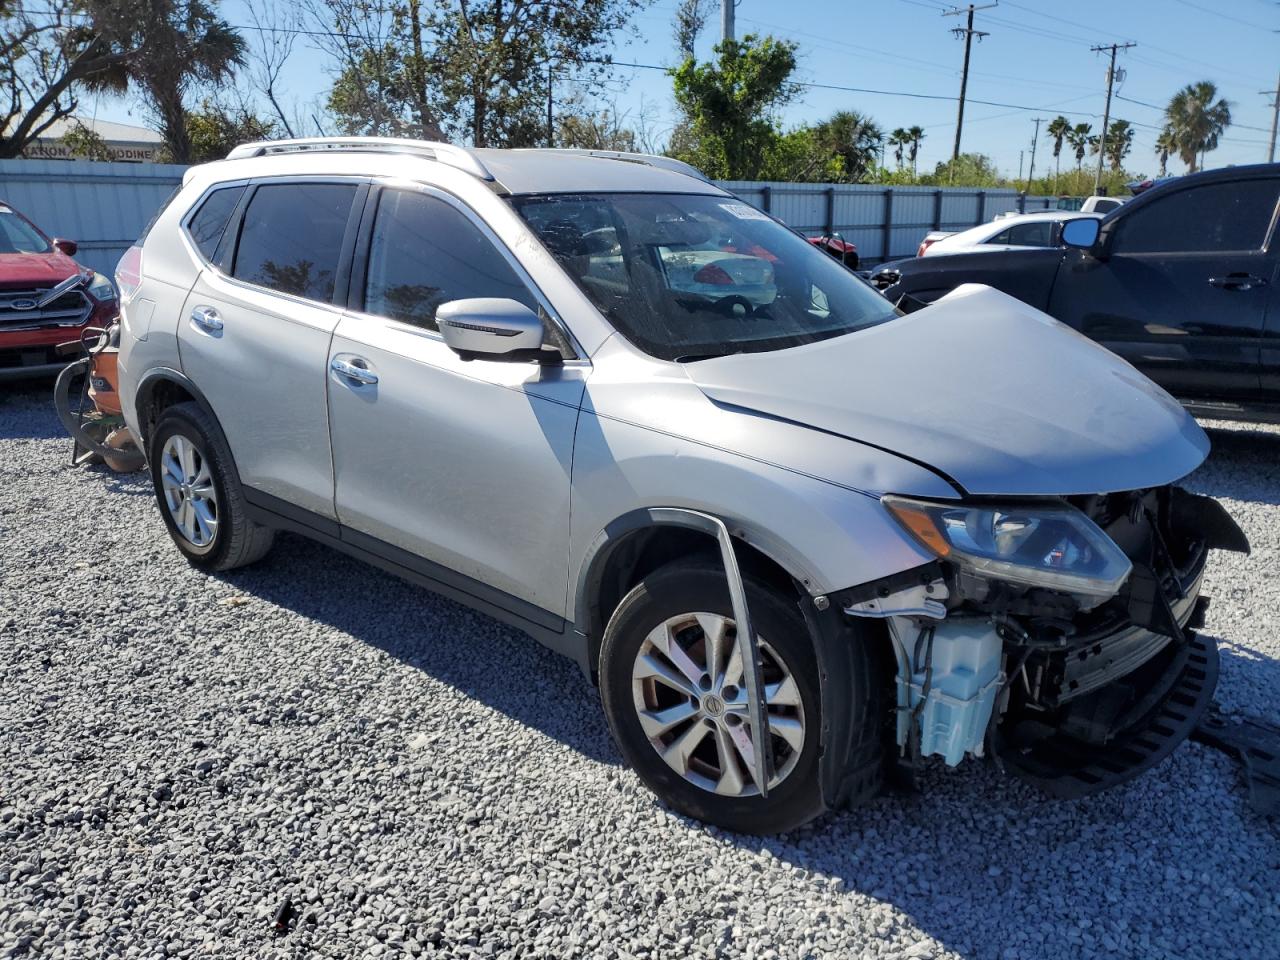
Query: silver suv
[803, 542]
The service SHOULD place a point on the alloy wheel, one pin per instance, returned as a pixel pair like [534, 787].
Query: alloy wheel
[189, 492]
[691, 699]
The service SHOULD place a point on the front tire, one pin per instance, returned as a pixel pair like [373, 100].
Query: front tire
[199, 494]
[670, 682]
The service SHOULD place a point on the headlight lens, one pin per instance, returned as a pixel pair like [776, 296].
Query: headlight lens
[1057, 548]
[101, 288]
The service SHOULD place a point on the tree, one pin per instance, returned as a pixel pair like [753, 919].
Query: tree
[47, 57]
[1119, 143]
[854, 138]
[214, 129]
[899, 140]
[691, 17]
[1194, 119]
[599, 130]
[477, 70]
[176, 48]
[1165, 147]
[730, 104]
[916, 134]
[1078, 138]
[85, 143]
[1058, 129]
[274, 35]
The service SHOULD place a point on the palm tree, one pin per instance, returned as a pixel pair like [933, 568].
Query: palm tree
[1078, 138]
[1119, 143]
[916, 134]
[854, 138]
[1195, 118]
[899, 140]
[1058, 129]
[1165, 146]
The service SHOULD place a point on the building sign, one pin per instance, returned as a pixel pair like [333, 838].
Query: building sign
[119, 152]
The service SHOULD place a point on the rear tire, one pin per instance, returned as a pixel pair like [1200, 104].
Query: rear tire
[666, 604]
[198, 490]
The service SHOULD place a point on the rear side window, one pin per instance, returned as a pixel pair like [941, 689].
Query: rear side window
[206, 227]
[423, 253]
[292, 237]
[1216, 217]
[1035, 234]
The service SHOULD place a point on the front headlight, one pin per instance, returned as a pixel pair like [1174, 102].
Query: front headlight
[1057, 548]
[101, 288]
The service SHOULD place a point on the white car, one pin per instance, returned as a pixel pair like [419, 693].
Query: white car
[1024, 231]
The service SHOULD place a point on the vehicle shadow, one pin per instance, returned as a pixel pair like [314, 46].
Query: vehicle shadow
[473, 653]
[20, 397]
[1243, 464]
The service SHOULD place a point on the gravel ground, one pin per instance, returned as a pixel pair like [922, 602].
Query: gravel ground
[181, 753]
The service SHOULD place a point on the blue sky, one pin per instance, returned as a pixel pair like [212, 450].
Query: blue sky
[1037, 55]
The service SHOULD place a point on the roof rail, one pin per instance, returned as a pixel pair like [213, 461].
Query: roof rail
[459, 157]
[649, 159]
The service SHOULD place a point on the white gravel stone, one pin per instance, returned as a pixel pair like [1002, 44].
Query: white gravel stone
[179, 753]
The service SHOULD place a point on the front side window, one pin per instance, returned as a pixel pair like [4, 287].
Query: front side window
[1212, 218]
[205, 228]
[18, 236]
[292, 237]
[424, 252]
[686, 277]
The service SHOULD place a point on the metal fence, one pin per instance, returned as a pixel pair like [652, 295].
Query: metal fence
[885, 223]
[104, 207]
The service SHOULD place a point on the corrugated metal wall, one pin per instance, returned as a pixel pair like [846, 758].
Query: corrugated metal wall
[105, 206]
[886, 223]
[102, 206]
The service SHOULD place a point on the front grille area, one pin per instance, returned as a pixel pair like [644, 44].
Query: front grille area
[18, 310]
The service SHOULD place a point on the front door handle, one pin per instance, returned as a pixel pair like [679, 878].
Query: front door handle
[1237, 281]
[206, 318]
[353, 371]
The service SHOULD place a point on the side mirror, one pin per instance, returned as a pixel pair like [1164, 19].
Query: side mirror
[69, 247]
[1082, 233]
[491, 328]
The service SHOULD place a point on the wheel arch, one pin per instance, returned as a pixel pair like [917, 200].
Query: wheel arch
[643, 540]
[161, 388]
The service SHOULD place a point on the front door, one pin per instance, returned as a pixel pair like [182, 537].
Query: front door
[256, 338]
[463, 464]
[1181, 291]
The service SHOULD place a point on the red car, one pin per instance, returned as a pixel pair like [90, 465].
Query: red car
[46, 298]
[838, 247]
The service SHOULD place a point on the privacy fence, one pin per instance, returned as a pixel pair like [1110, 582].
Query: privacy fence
[105, 206]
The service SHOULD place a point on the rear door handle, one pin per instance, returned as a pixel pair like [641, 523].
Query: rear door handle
[357, 370]
[1237, 281]
[206, 318]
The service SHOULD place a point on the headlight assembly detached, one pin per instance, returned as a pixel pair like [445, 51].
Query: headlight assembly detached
[1054, 547]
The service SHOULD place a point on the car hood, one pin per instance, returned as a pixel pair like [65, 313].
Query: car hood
[993, 394]
[25, 271]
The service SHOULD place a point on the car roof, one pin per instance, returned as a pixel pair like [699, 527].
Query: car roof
[1048, 215]
[522, 171]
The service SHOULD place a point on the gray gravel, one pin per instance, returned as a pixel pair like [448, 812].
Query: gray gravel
[180, 753]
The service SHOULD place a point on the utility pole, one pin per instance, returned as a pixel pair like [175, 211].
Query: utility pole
[550, 119]
[968, 33]
[726, 19]
[1032, 172]
[1022, 155]
[1106, 113]
[1275, 116]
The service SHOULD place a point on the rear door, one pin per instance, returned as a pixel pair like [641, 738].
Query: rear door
[254, 334]
[1182, 290]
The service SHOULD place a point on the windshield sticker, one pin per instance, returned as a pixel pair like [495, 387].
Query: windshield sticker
[743, 211]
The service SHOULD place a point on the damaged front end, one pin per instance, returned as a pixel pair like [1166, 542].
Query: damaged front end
[1058, 638]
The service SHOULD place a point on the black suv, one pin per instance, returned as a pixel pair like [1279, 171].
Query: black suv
[1180, 281]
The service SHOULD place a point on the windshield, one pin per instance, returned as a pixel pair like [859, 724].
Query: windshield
[18, 236]
[686, 277]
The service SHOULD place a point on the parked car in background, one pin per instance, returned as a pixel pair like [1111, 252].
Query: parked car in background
[1018, 232]
[838, 247]
[46, 298]
[1180, 281]
[796, 538]
[1095, 204]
